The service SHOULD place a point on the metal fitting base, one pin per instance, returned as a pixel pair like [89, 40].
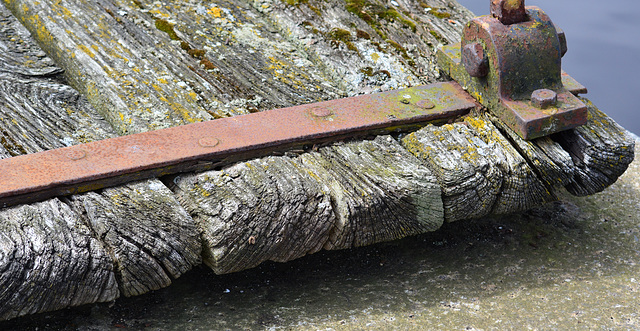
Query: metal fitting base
[521, 116]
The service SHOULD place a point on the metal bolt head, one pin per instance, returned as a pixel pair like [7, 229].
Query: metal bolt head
[508, 11]
[475, 60]
[544, 98]
[209, 142]
[76, 154]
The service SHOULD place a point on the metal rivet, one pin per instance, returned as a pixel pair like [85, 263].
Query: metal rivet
[320, 112]
[425, 104]
[209, 142]
[76, 154]
[544, 98]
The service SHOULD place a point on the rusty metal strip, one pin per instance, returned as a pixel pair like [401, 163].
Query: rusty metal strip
[205, 145]
[572, 85]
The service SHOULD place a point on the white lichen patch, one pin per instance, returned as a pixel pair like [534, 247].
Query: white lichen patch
[157, 186]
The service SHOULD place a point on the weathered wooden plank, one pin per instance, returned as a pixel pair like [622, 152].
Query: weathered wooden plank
[480, 172]
[151, 237]
[584, 160]
[552, 163]
[50, 259]
[18, 53]
[80, 252]
[144, 73]
[282, 208]
[601, 150]
[267, 209]
[370, 46]
[379, 192]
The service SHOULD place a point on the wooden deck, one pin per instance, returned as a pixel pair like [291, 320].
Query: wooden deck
[135, 66]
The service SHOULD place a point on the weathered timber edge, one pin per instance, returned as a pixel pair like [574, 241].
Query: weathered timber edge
[141, 66]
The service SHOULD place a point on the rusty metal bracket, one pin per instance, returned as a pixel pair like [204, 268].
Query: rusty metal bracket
[207, 145]
[510, 61]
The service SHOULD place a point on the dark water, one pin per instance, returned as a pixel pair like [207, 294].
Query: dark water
[604, 50]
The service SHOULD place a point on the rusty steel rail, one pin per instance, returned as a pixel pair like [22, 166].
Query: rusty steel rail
[207, 145]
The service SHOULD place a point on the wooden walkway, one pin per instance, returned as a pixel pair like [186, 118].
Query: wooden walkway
[135, 66]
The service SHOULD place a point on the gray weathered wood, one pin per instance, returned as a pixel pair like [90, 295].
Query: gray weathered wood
[50, 259]
[18, 53]
[479, 171]
[281, 208]
[550, 161]
[145, 65]
[601, 150]
[151, 237]
[49, 247]
[379, 192]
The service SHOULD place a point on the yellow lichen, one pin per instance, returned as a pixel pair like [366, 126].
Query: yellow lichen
[87, 51]
[215, 12]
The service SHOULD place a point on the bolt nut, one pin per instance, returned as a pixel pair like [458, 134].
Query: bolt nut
[475, 60]
[544, 98]
[509, 11]
[563, 40]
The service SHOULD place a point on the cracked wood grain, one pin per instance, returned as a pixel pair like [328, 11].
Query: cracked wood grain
[56, 254]
[479, 171]
[281, 208]
[601, 150]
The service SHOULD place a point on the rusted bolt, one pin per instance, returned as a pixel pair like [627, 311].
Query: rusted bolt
[563, 40]
[508, 11]
[425, 104]
[320, 112]
[208, 142]
[475, 60]
[76, 154]
[544, 98]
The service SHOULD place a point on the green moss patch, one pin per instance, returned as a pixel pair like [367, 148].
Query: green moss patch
[362, 34]
[338, 35]
[435, 11]
[166, 27]
[439, 37]
[197, 53]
